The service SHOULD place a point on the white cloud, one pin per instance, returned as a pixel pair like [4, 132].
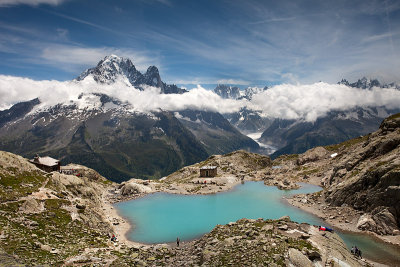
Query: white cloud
[29, 2]
[75, 55]
[286, 101]
[17, 89]
[309, 102]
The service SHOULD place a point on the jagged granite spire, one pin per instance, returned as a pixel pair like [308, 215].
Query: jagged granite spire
[365, 83]
[112, 68]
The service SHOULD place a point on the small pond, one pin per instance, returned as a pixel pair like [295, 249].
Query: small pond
[162, 217]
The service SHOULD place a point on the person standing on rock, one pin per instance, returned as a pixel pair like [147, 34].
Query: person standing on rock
[177, 241]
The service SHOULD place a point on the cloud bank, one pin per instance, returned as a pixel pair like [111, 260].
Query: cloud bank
[307, 102]
[310, 102]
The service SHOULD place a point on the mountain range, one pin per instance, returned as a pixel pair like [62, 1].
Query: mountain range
[109, 136]
[297, 136]
[113, 137]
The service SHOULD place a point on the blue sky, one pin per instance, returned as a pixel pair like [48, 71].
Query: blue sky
[204, 42]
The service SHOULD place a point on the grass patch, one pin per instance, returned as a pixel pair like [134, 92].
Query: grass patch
[394, 116]
[14, 184]
[347, 143]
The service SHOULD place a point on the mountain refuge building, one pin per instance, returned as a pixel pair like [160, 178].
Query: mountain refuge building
[208, 171]
[48, 164]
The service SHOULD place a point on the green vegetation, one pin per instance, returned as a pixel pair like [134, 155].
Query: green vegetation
[15, 184]
[354, 173]
[394, 116]
[47, 234]
[348, 143]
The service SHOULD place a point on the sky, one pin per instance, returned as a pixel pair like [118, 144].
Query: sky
[204, 42]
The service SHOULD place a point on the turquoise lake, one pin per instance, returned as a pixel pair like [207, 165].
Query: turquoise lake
[162, 217]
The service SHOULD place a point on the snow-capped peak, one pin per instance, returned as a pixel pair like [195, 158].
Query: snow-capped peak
[114, 68]
[250, 91]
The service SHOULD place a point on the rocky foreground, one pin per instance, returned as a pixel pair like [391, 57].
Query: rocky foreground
[64, 220]
[242, 243]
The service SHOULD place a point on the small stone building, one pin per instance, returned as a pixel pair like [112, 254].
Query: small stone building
[47, 164]
[208, 171]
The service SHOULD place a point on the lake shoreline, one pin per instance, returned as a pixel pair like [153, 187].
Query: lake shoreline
[124, 227]
[329, 215]
[180, 189]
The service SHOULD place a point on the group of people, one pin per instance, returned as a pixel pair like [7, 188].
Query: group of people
[356, 251]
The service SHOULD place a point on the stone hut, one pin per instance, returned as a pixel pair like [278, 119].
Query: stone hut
[47, 164]
[208, 171]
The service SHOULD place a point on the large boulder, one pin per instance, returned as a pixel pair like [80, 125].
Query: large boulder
[391, 123]
[298, 259]
[31, 205]
[130, 188]
[312, 155]
[380, 221]
[366, 223]
[385, 221]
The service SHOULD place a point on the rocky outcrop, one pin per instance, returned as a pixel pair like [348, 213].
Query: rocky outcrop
[297, 258]
[312, 155]
[380, 221]
[361, 177]
[367, 179]
[31, 205]
[131, 188]
[390, 124]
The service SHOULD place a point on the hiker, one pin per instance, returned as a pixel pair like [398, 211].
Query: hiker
[357, 252]
[323, 228]
[177, 241]
[353, 250]
[113, 238]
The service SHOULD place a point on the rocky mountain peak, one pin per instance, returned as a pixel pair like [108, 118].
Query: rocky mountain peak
[344, 82]
[250, 91]
[113, 68]
[152, 70]
[365, 83]
[152, 77]
[109, 69]
[226, 91]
